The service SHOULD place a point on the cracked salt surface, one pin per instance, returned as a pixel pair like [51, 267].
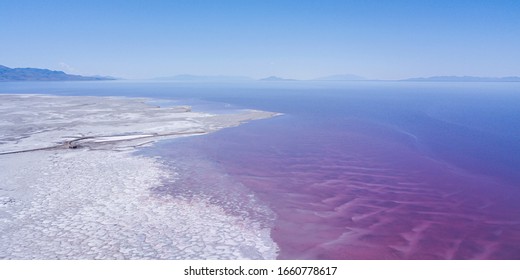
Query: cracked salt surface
[99, 204]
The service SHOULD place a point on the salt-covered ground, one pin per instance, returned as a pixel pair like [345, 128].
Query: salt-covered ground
[98, 201]
[33, 122]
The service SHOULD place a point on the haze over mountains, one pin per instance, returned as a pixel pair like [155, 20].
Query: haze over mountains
[37, 74]
[351, 77]
[188, 77]
[275, 79]
[464, 79]
[342, 77]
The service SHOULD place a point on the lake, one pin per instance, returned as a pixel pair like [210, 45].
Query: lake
[351, 170]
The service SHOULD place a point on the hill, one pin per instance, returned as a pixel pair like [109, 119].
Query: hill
[343, 77]
[36, 74]
[275, 79]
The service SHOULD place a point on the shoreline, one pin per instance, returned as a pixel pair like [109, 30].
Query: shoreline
[96, 201]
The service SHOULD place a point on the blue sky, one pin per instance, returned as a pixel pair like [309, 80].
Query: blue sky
[294, 39]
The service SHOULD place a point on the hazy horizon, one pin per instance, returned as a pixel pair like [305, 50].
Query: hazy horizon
[291, 39]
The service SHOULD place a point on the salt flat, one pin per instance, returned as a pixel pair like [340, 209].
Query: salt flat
[32, 122]
[72, 188]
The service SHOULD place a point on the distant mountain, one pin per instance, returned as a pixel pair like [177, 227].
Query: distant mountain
[464, 79]
[343, 77]
[198, 78]
[37, 74]
[275, 79]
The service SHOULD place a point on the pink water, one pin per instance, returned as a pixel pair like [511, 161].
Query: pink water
[365, 192]
[361, 170]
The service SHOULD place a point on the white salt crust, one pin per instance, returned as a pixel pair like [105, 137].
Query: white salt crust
[98, 204]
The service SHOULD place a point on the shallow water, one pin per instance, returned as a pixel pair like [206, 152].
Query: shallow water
[361, 170]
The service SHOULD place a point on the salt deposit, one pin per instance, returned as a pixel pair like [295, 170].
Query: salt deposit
[95, 201]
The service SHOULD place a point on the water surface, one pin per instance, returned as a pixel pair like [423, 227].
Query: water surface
[359, 170]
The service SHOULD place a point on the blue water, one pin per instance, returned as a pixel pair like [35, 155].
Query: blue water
[377, 169]
[472, 125]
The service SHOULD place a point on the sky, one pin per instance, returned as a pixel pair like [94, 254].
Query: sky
[298, 39]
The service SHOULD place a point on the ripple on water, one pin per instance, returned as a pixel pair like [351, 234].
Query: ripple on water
[110, 210]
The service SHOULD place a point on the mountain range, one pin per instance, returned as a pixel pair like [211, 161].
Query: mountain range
[199, 78]
[464, 79]
[275, 79]
[342, 77]
[36, 74]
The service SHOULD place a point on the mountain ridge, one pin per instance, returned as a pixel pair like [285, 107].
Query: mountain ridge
[39, 74]
[189, 77]
[341, 77]
[463, 79]
[275, 79]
